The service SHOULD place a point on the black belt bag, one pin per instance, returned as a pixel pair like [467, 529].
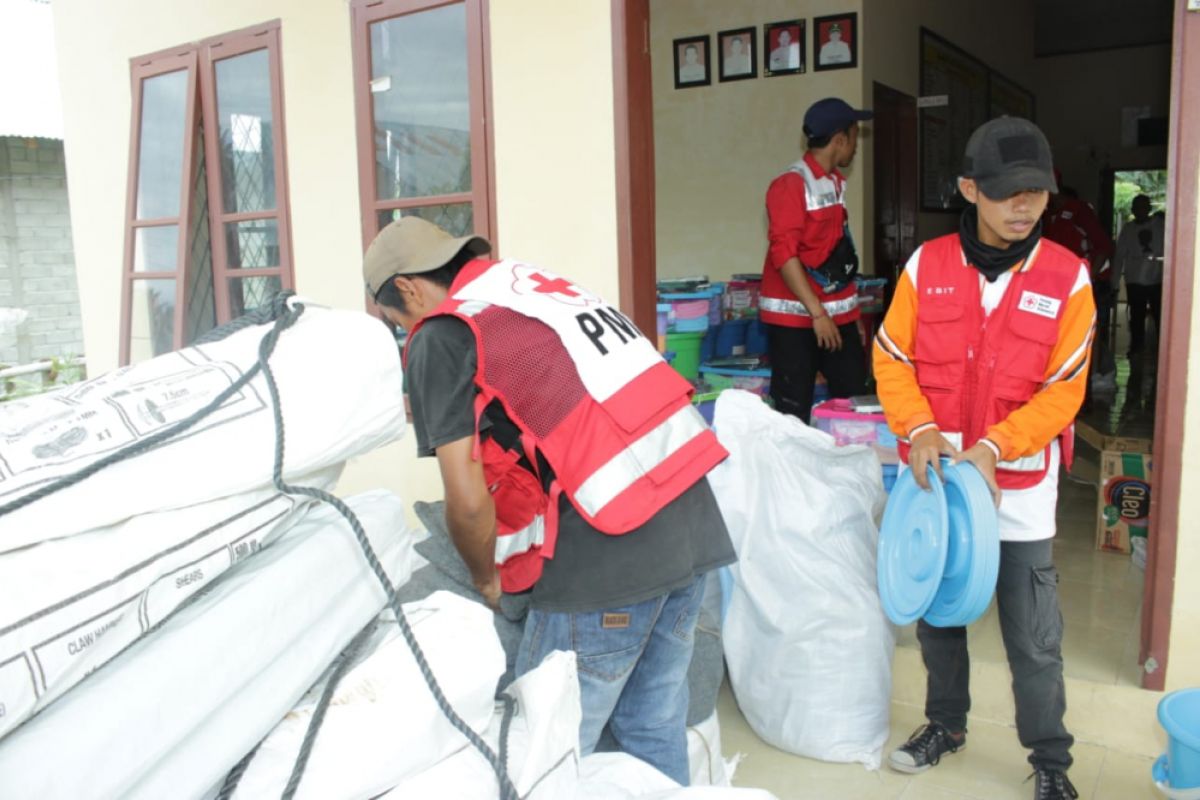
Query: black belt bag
[841, 266]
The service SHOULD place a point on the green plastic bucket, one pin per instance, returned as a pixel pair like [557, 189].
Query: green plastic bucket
[687, 353]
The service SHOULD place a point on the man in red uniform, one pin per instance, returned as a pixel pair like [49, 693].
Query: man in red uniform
[983, 357]
[1072, 223]
[809, 299]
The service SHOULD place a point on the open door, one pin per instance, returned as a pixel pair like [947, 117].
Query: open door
[894, 136]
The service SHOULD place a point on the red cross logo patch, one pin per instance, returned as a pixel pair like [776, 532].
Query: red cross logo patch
[531, 281]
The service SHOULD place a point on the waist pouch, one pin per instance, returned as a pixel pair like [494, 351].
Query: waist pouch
[836, 271]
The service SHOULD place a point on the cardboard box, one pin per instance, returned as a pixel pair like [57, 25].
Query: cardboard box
[1103, 441]
[1123, 507]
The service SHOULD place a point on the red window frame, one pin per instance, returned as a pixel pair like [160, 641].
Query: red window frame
[482, 194]
[200, 60]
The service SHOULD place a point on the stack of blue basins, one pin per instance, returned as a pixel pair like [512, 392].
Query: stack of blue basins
[939, 551]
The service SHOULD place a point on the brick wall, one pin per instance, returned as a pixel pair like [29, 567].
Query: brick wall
[37, 264]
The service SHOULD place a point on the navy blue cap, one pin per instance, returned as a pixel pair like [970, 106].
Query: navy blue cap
[827, 117]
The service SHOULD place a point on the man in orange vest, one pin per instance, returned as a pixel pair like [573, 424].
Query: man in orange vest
[809, 297]
[574, 469]
[983, 357]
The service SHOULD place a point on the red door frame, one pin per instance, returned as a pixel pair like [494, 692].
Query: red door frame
[633, 112]
[1183, 207]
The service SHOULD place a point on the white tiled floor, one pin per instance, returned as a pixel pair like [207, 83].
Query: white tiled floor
[992, 767]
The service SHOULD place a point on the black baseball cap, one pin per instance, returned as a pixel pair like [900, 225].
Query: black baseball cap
[1008, 155]
[827, 117]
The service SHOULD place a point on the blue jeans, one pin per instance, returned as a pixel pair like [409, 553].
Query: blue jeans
[633, 664]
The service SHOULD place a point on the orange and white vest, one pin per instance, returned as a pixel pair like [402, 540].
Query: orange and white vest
[976, 369]
[589, 393]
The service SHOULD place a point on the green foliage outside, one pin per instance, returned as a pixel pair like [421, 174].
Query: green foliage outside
[1128, 185]
[61, 372]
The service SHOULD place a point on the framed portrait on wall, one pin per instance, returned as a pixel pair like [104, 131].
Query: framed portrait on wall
[835, 42]
[692, 62]
[737, 55]
[783, 48]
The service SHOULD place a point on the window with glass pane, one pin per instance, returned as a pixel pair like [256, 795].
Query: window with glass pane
[208, 200]
[419, 90]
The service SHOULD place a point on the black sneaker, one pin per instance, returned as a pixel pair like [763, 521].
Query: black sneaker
[925, 748]
[1052, 785]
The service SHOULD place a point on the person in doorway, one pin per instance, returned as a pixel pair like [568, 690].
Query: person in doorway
[834, 51]
[983, 358]
[507, 369]
[786, 53]
[1139, 259]
[1071, 222]
[737, 60]
[692, 70]
[809, 297]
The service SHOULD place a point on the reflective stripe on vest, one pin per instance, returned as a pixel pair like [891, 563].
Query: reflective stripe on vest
[833, 308]
[1033, 463]
[818, 192]
[518, 542]
[636, 461]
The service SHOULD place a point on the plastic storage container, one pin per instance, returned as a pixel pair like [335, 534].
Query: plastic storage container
[686, 346]
[870, 294]
[689, 311]
[731, 338]
[741, 298]
[751, 379]
[663, 318]
[847, 426]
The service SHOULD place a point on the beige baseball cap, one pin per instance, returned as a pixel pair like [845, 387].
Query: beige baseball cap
[410, 246]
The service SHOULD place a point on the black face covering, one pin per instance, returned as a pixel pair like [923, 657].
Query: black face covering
[992, 261]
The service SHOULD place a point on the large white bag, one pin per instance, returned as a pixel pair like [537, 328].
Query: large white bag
[543, 743]
[72, 604]
[807, 643]
[383, 723]
[172, 714]
[340, 387]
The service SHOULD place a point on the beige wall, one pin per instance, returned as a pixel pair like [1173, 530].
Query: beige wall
[718, 147]
[1183, 669]
[1080, 98]
[555, 193]
[999, 34]
[552, 86]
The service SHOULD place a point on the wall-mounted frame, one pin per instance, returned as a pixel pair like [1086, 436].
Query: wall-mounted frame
[1009, 97]
[692, 59]
[953, 103]
[783, 48]
[737, 55]
[835, 42]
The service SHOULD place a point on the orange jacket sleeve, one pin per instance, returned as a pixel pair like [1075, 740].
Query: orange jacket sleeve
[1049, 412]
[905, 408]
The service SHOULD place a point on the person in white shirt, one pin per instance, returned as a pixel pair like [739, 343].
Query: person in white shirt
[1139, 257]
[835, 51]
[737, 61]
[786, 54]
[692, 70]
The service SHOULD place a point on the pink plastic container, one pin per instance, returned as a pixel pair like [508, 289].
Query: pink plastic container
[847, 426]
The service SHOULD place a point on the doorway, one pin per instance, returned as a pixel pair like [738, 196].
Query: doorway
[894, 131]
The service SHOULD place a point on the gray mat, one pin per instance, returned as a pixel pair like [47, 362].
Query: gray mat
[447, 572]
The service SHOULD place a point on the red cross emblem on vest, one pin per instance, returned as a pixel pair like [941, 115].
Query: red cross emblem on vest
[546, 285]
[533, 282]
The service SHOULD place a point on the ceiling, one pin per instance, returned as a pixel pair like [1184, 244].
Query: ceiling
[1072, 26]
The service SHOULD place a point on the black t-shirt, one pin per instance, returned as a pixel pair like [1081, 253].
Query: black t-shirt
[590, 570]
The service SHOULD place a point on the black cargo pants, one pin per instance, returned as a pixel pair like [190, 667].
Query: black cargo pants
[1032, 626]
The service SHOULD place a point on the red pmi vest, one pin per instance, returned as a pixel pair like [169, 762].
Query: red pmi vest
[589, 393]
[824, 198]
[974, 369]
